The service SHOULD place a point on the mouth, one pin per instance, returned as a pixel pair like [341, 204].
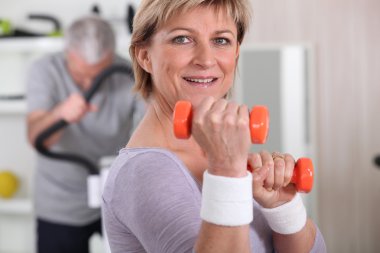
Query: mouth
[201, 81]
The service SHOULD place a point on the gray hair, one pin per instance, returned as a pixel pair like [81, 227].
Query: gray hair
[91, 37]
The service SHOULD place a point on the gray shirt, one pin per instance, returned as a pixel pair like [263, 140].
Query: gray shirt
[60, 187]
[151, 203]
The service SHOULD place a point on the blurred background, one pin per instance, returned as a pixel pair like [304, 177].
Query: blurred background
[315, 64]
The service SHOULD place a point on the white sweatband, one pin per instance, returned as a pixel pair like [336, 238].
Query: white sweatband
[288, 218]
[227, 201]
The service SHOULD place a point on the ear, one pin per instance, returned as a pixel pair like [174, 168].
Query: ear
[237, 51]
[143, 58]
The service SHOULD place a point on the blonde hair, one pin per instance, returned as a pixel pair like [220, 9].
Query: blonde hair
[154, 13]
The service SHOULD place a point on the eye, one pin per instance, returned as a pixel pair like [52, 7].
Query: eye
[181, 40]
[222, 41]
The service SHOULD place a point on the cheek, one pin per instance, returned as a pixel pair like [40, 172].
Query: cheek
[228, 68]
[168, 63]
[228, 63]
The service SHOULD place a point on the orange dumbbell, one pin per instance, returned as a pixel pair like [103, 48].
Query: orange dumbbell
[258, 122]
[303, 175]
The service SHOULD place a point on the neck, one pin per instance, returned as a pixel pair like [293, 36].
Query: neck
[163, 112]
[158, 124]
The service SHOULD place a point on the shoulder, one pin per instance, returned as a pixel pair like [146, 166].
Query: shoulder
[49, 59]
[147, 170]
[46, 64]
[147, 160]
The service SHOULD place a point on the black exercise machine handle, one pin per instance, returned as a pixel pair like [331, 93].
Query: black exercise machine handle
[39, 143]
[56, 23]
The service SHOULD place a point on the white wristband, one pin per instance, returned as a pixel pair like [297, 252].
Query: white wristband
[227, 201]
[288, 218]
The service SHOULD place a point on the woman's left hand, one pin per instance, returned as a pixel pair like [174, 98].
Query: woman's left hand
[272, 173]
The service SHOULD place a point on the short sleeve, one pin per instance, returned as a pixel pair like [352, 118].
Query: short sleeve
[41, 86]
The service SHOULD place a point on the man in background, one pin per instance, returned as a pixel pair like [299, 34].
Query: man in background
[55, 85]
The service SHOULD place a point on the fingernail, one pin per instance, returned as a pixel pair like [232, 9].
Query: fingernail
[269, 189]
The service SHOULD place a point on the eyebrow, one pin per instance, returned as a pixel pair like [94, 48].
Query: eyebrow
[193, 31]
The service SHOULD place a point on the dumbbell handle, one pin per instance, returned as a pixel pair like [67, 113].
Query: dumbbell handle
[303, 175]
[258, 122]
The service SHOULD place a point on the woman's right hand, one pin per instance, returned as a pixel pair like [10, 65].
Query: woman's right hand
[74, 108]
[221, 128]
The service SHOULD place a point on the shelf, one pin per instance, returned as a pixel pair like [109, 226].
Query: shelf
[12, 107]
[31, 44]
[46, 44]
[16, 206]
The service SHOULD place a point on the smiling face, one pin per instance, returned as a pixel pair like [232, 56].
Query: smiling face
[191, 56]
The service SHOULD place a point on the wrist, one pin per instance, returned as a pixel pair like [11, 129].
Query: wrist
[227, 201]
[288, 218]
[57, 112]
[233, 170]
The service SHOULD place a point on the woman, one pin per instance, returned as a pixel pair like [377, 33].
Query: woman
[188, 50]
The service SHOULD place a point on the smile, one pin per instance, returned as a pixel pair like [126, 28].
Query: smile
[204, 82]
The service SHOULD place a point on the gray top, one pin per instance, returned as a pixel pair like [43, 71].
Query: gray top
[151, 203]
[60, 187]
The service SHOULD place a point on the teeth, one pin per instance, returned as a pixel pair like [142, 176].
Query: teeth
[209, 80]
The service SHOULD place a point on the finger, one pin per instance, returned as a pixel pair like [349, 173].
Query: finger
[244, 113]
[268, 162]
[214, 116]
[230, 116]
[201, 110]
[232, 109]
[219, 106]
[279, 172]
[243, 119]
[254, 161]
[259, 176]
[289, 168]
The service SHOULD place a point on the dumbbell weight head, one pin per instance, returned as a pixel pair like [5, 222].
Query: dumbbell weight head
[258, 124]
[303, 175]
[182, 118]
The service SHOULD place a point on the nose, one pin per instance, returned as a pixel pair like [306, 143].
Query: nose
[204, 56]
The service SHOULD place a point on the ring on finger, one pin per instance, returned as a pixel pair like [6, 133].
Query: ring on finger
[278, 155]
